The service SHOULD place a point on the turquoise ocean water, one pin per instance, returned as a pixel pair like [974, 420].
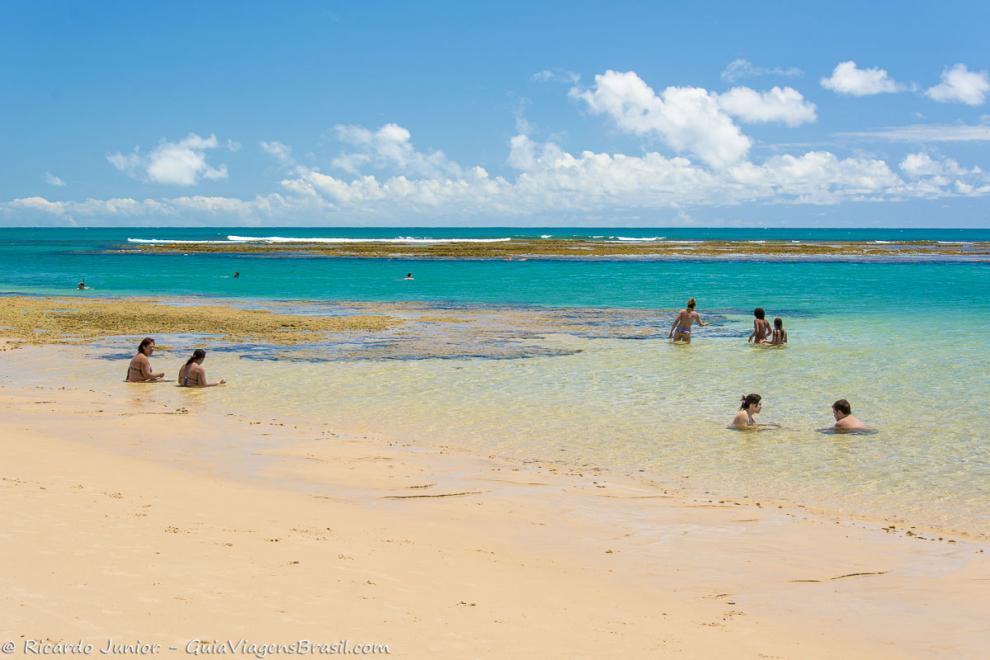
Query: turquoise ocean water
[907, 343]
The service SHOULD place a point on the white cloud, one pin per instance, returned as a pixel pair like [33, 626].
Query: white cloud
[960, 85]
[922, 164]
[688, 119]
[780, 104]
[925, 133]
[740, 68]
[53, 180]
[556, 75]
[849, 79]
[181, 163]
[389, 147]
[281, 152]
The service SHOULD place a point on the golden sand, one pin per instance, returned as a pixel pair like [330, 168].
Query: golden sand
[25, 319]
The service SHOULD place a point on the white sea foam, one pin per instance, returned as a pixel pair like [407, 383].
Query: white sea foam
[648, 238]
[284, 239]
[546, 235]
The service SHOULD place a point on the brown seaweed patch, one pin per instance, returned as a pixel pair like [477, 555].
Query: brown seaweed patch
[63, 320]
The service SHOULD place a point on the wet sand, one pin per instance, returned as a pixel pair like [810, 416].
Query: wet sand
[127, 519]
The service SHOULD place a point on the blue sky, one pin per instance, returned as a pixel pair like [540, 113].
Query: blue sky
[561, 113]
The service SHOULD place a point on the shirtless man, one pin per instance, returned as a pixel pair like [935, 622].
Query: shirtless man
[844, 419]
[139, 370]
[681, 329]
[761, 328]
[192, 373]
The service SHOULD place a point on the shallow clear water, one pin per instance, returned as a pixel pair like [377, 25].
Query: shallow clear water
[907, 344]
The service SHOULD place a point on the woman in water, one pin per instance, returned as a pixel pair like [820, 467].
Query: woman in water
[139, 370]
[749, 406]
[192, 373]
[779, 336]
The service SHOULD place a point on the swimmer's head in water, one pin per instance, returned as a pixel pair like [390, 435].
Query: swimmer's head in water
[750, 400]
[842, 406]
[778, 323]
[692, 303]
[759, 313]
[146, 346]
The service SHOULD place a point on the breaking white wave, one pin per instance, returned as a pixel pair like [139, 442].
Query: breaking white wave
[649, 238]
[285, 239]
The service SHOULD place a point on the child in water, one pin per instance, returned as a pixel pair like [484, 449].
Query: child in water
[779, 337]
[761, 328]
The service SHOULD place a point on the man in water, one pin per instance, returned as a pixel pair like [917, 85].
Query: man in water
[844, 419]
[82, 286]
[681, 329]
[408, 276]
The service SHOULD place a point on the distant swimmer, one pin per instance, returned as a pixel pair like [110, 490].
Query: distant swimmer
[761, 328]
[139, 370]
[779, 337]
[82, 286]
[681, 329]
[237, 274]
[749, 406]
[192, 373]
[408, 276]
[844, 419]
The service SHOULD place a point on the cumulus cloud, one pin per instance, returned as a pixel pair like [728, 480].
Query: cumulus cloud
[688, 119]
[740, 68]
[960, 85]
[847, 78]
[389, 147]
[53, 180]
[922, 164]
[181, 163]
[780, 104]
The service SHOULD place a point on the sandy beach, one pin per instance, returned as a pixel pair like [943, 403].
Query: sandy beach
[128, 520]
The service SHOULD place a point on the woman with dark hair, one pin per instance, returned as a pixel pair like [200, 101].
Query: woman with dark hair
[749, 406]
[139, 370]
[192, 373]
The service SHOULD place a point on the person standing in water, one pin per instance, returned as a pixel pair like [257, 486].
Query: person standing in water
[192, 373]
[681, 328]
[844, 419]
[139, 370]
[761, 329]
[779, 336]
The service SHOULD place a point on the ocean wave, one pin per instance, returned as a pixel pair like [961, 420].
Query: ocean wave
[169, 241]
[284, 239]
[644, 239]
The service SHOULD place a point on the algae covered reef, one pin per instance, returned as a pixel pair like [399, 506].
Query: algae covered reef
[584, 249]
[53, 320]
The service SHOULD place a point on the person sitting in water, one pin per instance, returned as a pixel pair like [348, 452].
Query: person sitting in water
[681, 328]
[761, 328]
[749, 406]
[779, 336]
[139, 370]
[408, 276]
[844, 419]
[192, 373]
[82, 286]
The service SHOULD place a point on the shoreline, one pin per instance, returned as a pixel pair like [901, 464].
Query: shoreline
[542, 554]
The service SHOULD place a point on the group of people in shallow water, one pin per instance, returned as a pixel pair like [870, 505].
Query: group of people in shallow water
[191, 374]
[763, 333]
[680, 330]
